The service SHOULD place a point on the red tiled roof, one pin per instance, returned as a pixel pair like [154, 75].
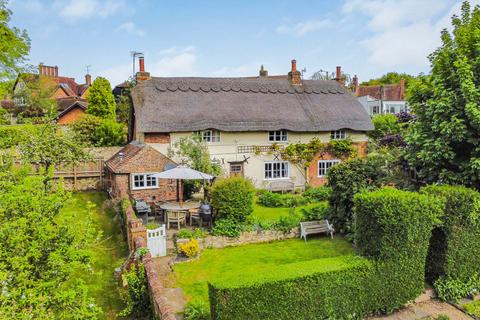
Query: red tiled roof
[121, 157]
[389, 92]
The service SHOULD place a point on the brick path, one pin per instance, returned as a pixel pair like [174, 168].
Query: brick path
[430, 309]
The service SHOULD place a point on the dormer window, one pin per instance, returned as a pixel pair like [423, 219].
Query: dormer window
[338, 135]
[278, 136]
[210, 135]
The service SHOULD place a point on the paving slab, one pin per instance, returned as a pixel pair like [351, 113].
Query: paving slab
[425, 310]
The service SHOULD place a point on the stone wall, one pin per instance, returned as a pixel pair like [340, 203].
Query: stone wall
[248, 237]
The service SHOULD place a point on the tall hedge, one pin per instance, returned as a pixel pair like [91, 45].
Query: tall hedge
[455, 244]
[233, 198]
[393, 229]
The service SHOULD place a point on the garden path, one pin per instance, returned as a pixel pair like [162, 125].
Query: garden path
[430, 309]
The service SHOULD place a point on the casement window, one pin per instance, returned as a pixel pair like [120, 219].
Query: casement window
[338, 135]
[278, 136]
[19, 101]
[325, 165]
[144, 181]
[276, 170]
[210, 135]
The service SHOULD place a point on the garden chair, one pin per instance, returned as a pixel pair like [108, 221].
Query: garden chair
[177, 217]
[195, 216]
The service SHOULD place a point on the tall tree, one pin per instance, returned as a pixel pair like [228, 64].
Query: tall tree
[444, 142]
[101, 102]
[390, 78]
[14, 45]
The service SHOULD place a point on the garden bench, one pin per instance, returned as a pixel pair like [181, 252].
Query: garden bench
[282, 186]
[314, 227]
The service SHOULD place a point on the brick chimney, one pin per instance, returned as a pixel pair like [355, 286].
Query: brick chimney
[338, 76]
[88, 79]
[263, 72]
[48, 71]
[402, 89]
[141, 74]
[294, 75]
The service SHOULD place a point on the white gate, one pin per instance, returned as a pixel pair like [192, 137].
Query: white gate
[157, 241]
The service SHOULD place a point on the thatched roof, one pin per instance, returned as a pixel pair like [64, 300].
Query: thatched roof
[245, 104]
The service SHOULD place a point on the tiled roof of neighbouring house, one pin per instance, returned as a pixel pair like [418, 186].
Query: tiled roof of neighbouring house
[388, 92]
[121, 157]
[65, 103]
[245, 104]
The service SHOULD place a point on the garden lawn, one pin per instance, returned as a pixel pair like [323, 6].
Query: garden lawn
[226, 263]
[473, 308]
[109, 252]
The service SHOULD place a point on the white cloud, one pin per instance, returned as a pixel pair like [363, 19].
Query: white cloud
[243, 70]
[169, 62]
[130, 28]
[402, 32]
[74, 10]
[301, 28]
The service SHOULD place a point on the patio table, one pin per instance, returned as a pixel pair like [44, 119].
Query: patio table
[179, 206]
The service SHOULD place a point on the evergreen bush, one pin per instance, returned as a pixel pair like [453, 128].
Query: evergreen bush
[233, 198]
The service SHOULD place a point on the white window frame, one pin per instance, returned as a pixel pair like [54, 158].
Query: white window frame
[278, 136]
[210, 136]
[145, 177]
[327, 164]
[19, 101]
[280, 170]
[338, 134]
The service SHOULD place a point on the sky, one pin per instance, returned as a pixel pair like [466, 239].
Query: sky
[228, 38]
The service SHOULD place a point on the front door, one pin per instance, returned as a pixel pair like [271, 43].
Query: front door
[236, 169]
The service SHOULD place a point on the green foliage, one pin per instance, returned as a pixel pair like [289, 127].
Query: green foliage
[136, 298]
[184, 234]
[454, 289]
[318, 211]
[228, 228]
[285, 224]
[473, 308]
[13, 135]
[443, 142]
[197, 310]
[94, 131]
[48, 147]
[454, 253]
[152, 225]
[14, 45]
[124, 105]
[318, 193]
[341, 148]
[40, 105]
[233, 198]
[391, 78]
[42, 252]
[4, 116]
[385, 124]
[101, 102]
[276, 200]
[443, 317]
[353, 176]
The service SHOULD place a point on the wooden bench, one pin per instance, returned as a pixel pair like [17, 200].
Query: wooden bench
[314, 227]
[282, 186]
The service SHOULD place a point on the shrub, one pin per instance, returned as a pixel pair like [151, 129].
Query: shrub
[196, 310]
[473, 308]
[454, 251]
[233, 198]
[136, 297]
[318, 211]
[385, 124]
[276, 200]
[342, 148]
[185, 234]
[287, 223]
[94, 131]
[152, 225]
[228, 228]
[443, 317]
[318, 194]
[13, 135]
[190, 248]
[454, 289]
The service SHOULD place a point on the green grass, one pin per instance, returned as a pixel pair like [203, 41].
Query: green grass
[473, 308]
[108, 253]
[222, 265]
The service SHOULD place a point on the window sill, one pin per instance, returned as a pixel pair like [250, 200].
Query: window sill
[144, 188]
[276, 179]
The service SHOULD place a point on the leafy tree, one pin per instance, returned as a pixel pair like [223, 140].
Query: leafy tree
[101, 102]
[385, 124]
[444, 141]
[94, 131]
[48, 147]
[42, 251]
[14, 45]
[38, 97]
[391, 78]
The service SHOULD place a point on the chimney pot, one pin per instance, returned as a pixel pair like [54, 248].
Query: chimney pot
[263, 72]
[141, 62]
[56, 71]
[402, 88]
[294, 65]
[295, 76]
[88, 79]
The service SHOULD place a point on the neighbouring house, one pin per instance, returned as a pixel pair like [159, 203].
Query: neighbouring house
[128, 172]
[381, 99]
[69, 95]
[240, 119]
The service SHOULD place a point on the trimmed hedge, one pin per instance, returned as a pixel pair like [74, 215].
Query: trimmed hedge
[393, 230]
[233, 198]
[454, 255]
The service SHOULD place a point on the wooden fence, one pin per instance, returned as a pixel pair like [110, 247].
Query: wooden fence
[93, 170]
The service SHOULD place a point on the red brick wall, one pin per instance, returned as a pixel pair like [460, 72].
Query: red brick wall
[157, 137]
[314, 180]
[71, 116]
